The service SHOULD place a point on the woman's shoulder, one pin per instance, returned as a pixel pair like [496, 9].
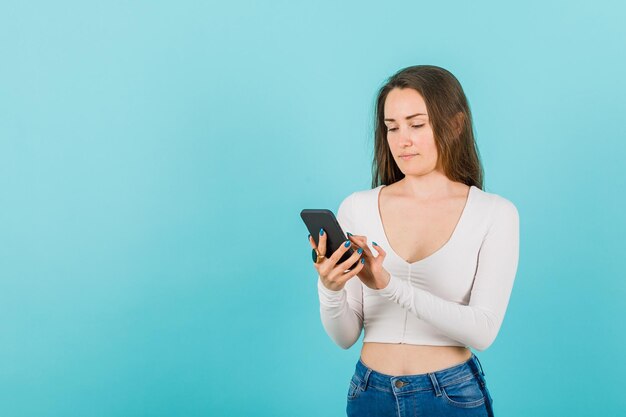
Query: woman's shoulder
[496, 204]
[361, 195]
[357, 204]
[354, 209]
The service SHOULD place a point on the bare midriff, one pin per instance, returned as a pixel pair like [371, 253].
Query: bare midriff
[404, 359]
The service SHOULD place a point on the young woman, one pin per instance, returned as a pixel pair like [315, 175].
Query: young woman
[437, 278]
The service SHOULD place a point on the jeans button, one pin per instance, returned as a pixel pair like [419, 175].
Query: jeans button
[400, 384]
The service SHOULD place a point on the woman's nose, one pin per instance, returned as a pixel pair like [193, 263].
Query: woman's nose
[405, 137]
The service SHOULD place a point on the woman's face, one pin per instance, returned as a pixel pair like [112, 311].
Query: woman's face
[409, 132]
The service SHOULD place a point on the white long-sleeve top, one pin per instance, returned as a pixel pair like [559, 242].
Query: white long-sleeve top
[456, 296]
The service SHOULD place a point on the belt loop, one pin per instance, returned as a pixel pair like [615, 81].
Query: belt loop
[366, 378]
[479, 364]
[433, 379]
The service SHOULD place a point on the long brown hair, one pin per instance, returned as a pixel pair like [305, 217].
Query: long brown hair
[446, 105]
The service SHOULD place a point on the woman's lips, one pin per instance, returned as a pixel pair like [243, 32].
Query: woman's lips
[407, 157]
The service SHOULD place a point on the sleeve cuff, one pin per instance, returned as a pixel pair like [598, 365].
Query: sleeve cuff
[390, 289]
[328, 294]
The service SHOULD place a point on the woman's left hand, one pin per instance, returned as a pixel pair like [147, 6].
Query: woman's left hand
[373, 274]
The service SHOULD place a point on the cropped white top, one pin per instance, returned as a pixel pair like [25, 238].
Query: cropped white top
[456, 296]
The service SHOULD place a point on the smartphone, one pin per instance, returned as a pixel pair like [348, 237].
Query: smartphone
[316, 219]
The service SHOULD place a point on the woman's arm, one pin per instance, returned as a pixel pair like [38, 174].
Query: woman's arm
[477, 323]
[342, 311]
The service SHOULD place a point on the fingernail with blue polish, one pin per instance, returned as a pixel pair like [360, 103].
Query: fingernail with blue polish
[349, 234]
[362, 260]
[360, 251]
[374, 243]
[321, 232]
[347, 243]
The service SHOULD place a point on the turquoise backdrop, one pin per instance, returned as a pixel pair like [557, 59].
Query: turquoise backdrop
[155, 156]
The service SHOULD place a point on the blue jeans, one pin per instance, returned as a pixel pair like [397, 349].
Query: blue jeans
[460, 390]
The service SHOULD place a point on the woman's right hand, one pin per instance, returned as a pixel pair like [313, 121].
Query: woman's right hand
[333, 276]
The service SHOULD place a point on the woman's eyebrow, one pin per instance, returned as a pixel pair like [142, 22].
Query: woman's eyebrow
[408, 117]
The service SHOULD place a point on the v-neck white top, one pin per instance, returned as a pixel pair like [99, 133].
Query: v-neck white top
[457, 296]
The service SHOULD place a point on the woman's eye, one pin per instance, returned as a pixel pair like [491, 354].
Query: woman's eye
[391, 129]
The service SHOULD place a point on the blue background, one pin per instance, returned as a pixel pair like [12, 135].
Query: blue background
[155, 156]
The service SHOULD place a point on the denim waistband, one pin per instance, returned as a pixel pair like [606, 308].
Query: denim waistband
[418, 382]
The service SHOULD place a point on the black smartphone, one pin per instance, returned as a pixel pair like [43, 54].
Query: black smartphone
[316, 219]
